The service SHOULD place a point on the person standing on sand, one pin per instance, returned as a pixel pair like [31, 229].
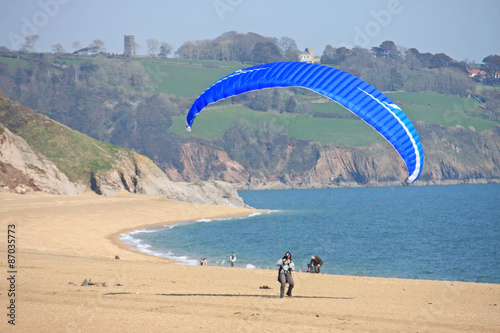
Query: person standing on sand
[233, 259]
[285, 274]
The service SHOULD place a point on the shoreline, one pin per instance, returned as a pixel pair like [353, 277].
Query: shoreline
[119, 243]
[63, 240]
[115, 237]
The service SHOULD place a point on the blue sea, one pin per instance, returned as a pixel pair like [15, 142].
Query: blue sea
[412, 232]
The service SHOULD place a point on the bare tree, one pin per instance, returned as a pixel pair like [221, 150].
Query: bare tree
[137, 47]
[76, 45]
[58, 49]
[29, 44]
[288, 48]
[165, 49]
[412, 59]
[186, 50]
[335, 56]
[153, 46]
[225, 48]
[97, 46]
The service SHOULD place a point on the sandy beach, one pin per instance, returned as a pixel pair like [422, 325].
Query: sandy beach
[62, 240]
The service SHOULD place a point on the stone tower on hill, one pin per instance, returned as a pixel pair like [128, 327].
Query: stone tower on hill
[129, 46]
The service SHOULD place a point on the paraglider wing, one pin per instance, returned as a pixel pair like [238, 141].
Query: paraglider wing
[356, 95]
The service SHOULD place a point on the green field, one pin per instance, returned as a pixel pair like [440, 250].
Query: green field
[185, 78]
[213, 123]
[445, 110]
[430, 108]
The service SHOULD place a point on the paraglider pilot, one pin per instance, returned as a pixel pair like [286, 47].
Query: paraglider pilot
[285, 274]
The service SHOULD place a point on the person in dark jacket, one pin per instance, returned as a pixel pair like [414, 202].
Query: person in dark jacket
[316, 264]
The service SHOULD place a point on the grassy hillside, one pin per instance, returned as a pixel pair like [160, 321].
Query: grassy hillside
[141, 103]
[445, 110]
[429, 108]
[75, 154]
[185, 78]
[213, 123]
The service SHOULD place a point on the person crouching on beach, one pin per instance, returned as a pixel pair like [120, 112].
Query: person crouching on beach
[316, 264]
[285, 274]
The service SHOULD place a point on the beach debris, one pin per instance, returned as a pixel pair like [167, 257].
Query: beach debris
[317, 315]
[119, 285]
[120, 293]
[117, 257]
[88, 282]
[264, 287]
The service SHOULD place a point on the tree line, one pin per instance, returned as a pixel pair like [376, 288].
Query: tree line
[255, 48]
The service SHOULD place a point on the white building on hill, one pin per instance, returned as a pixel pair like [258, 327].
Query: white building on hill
[308, 56]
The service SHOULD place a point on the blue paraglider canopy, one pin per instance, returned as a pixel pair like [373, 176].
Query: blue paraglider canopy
[356, 95]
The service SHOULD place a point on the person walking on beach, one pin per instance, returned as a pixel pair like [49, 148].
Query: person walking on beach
[285, 274]
[316, 264]
[233, 259]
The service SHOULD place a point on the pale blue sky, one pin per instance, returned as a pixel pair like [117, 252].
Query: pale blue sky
[463, 29]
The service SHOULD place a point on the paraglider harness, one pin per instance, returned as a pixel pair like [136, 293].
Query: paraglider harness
[281, 269]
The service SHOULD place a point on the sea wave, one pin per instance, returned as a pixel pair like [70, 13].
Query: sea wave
[138, 244]
[142, 246]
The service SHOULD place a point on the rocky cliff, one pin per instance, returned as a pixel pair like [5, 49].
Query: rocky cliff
[38, 154]
[24, 168]
[452, 155]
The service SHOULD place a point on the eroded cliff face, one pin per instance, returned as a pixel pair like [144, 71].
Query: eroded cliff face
[452, 156]
[335, 167]
[138, 174]
[342, 166]
[201, 162]
[102, 168]
[22, 170]
[209, 175]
